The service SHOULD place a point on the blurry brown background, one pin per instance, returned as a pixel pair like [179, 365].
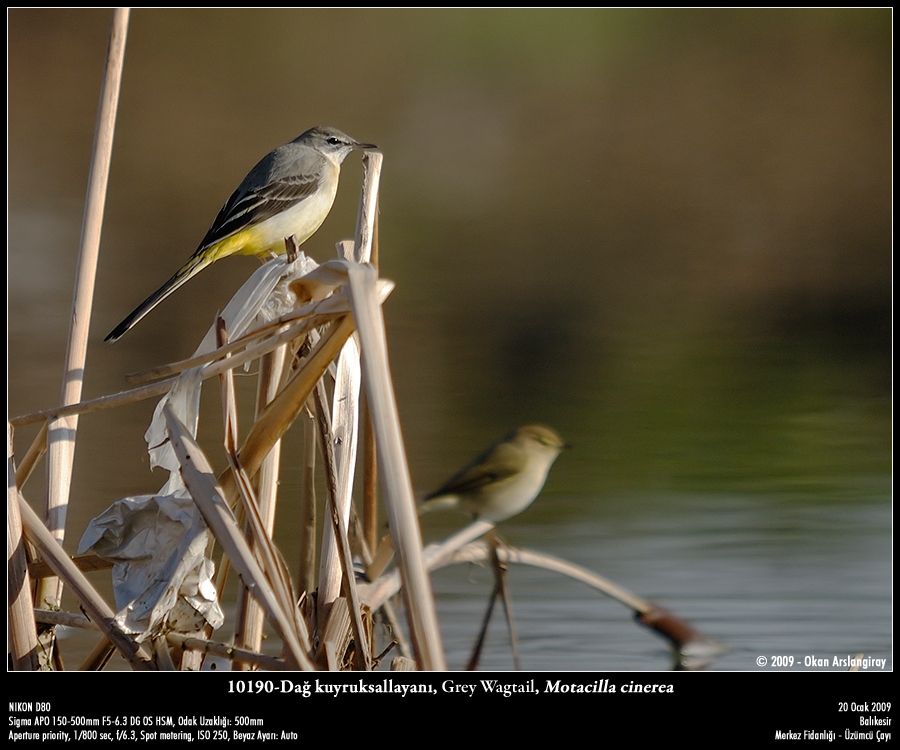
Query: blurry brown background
[665, 233]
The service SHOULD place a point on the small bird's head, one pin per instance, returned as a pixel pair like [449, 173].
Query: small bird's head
[331, 142]
[538, 438]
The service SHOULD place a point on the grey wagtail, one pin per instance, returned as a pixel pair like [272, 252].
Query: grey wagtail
[289, 192]
[505, 479]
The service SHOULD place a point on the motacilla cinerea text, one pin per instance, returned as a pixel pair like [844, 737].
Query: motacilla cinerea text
[289, 192]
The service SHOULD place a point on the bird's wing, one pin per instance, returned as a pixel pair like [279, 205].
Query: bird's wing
[491, 466]
[248, 207]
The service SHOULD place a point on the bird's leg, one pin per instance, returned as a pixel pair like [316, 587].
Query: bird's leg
[291, 246]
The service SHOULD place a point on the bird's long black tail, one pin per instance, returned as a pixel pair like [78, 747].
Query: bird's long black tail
[188, 270]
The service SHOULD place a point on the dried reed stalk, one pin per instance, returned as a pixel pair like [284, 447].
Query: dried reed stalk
[401, 506]
[250, 620]
[62, 431]
[34, 454]
[217, 360]
[340, 443]
[200, 481]
[345, 576]
[22, 636]
[306, 575]
[285, 407]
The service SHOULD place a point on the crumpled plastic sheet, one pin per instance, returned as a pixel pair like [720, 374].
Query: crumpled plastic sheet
[162, 578]
[262, 298]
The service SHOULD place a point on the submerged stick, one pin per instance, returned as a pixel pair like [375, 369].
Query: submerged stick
[690, 644]
[475, 658]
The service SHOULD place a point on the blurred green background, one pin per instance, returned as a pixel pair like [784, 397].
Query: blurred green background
[665, 233]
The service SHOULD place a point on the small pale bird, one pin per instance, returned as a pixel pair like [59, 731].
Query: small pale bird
[505, 479]
[289, 192]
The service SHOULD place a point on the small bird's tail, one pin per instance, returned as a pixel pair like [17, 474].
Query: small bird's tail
[190, 269]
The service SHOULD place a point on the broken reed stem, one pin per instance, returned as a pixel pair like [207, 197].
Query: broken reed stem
[269, 558]
[242, 657]
[258, 342]
[378, 591]
[368, 206]
[500, 591]
[387, 612]
[323, 440]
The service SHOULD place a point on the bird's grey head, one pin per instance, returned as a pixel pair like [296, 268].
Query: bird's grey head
[331, 142]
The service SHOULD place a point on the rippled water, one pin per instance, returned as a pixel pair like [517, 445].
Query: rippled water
[765, 576]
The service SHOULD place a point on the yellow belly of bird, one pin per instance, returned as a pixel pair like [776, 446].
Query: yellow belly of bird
[301, 221]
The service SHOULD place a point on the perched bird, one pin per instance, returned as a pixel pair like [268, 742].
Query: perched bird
[505, 479]
[289, 192]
